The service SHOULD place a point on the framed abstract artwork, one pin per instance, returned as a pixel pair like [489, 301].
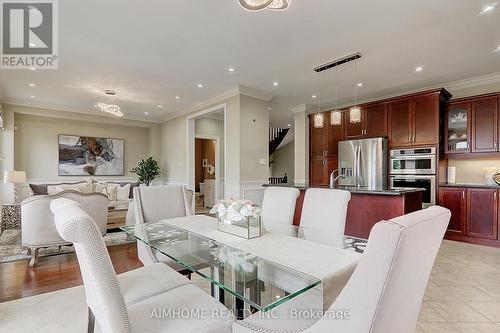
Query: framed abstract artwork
[90, 156]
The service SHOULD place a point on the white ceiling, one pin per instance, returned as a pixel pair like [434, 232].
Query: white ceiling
[152, 51]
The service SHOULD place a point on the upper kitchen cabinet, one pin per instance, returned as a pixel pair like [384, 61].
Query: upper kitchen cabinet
[326, 131]
[458, 128]
[414, 120]
[400, 132]
[373, 122]
[317, 136]
[485, 125]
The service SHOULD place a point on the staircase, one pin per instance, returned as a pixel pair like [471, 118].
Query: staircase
[276, 135]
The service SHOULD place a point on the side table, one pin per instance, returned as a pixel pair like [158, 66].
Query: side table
[11, 217]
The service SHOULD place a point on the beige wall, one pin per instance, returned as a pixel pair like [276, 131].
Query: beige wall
[283, 162]
[254, 139]
[36, 140]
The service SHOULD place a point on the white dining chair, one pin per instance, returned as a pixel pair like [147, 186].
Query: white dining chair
[385, 292]
[278, 209]
[112, 309]
[324, 214]
[155, 203]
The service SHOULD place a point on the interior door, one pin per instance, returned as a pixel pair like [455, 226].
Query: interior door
[485, 125]
[399, 123]
[426, 120]
[375, 120]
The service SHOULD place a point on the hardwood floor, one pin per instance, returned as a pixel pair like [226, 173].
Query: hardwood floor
[57, 272]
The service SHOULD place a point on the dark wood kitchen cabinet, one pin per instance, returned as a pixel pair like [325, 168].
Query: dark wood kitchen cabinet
[485, 125]
[425, 118]
[415, 120]
[455, 199]
[373, 122]
[482, 213]
[400, 123]
[457, 128]
[323, 150]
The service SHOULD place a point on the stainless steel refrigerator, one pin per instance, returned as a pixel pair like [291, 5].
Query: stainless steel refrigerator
[363, 163]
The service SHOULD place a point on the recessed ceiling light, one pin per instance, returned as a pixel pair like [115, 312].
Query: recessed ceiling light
[269, 108]
[200, 85]
[419, 68]
[177, 97]
[497, 49]
[488, 8]
[160, 106]
[146, 113]
[360, 84]
[32, 84]
[32, 69]
[289, 125]
[231, 69]
[314, 96]
[32, 96]
[275, 84]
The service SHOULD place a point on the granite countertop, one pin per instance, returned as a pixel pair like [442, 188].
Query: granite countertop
[470, 185]
[357, 190]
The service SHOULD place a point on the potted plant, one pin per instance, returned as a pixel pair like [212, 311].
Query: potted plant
[147, 170]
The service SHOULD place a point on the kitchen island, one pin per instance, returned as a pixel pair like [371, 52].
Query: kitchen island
[367, 206]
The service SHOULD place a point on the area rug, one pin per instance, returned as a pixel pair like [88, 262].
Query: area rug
[12, 250]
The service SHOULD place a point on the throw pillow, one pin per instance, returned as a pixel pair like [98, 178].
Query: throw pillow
[54, 189]
[122, 192]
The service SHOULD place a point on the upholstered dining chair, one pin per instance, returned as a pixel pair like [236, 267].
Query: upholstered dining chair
[385, 292]
[155, 203]
[132, 309]
[37, 222]
[324, 214]
[278, 209]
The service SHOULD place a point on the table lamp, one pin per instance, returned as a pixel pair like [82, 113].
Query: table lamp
[14, 177]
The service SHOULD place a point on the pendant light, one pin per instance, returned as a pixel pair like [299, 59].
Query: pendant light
[355, 111]
[336, 115]
[255, 5]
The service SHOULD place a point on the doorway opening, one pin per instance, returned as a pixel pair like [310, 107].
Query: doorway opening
[206, 156]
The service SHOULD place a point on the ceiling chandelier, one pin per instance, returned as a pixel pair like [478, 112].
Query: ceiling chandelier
[265, 4]
[110, 108]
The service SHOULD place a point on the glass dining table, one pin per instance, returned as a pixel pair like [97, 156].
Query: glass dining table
[245, 281]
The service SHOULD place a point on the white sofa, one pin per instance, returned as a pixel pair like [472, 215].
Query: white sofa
[38, 229]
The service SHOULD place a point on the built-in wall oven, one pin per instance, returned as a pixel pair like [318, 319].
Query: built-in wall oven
[415, 167]
[428, 182]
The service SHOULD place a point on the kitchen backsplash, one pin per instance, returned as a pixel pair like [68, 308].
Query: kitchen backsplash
[471, 171]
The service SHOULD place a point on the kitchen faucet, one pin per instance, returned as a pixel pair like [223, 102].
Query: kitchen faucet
[334, 180]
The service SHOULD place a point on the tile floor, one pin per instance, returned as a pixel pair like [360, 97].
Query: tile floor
[463, 294]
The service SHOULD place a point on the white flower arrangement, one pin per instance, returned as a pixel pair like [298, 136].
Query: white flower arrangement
[235, 210]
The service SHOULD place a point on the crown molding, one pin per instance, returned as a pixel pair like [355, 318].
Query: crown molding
[72, 111]
[451, 86]
[255, 93]
[205, 104]
[235, 91]
[307, 108]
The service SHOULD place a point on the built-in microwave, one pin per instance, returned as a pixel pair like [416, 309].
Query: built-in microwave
[414, 161]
